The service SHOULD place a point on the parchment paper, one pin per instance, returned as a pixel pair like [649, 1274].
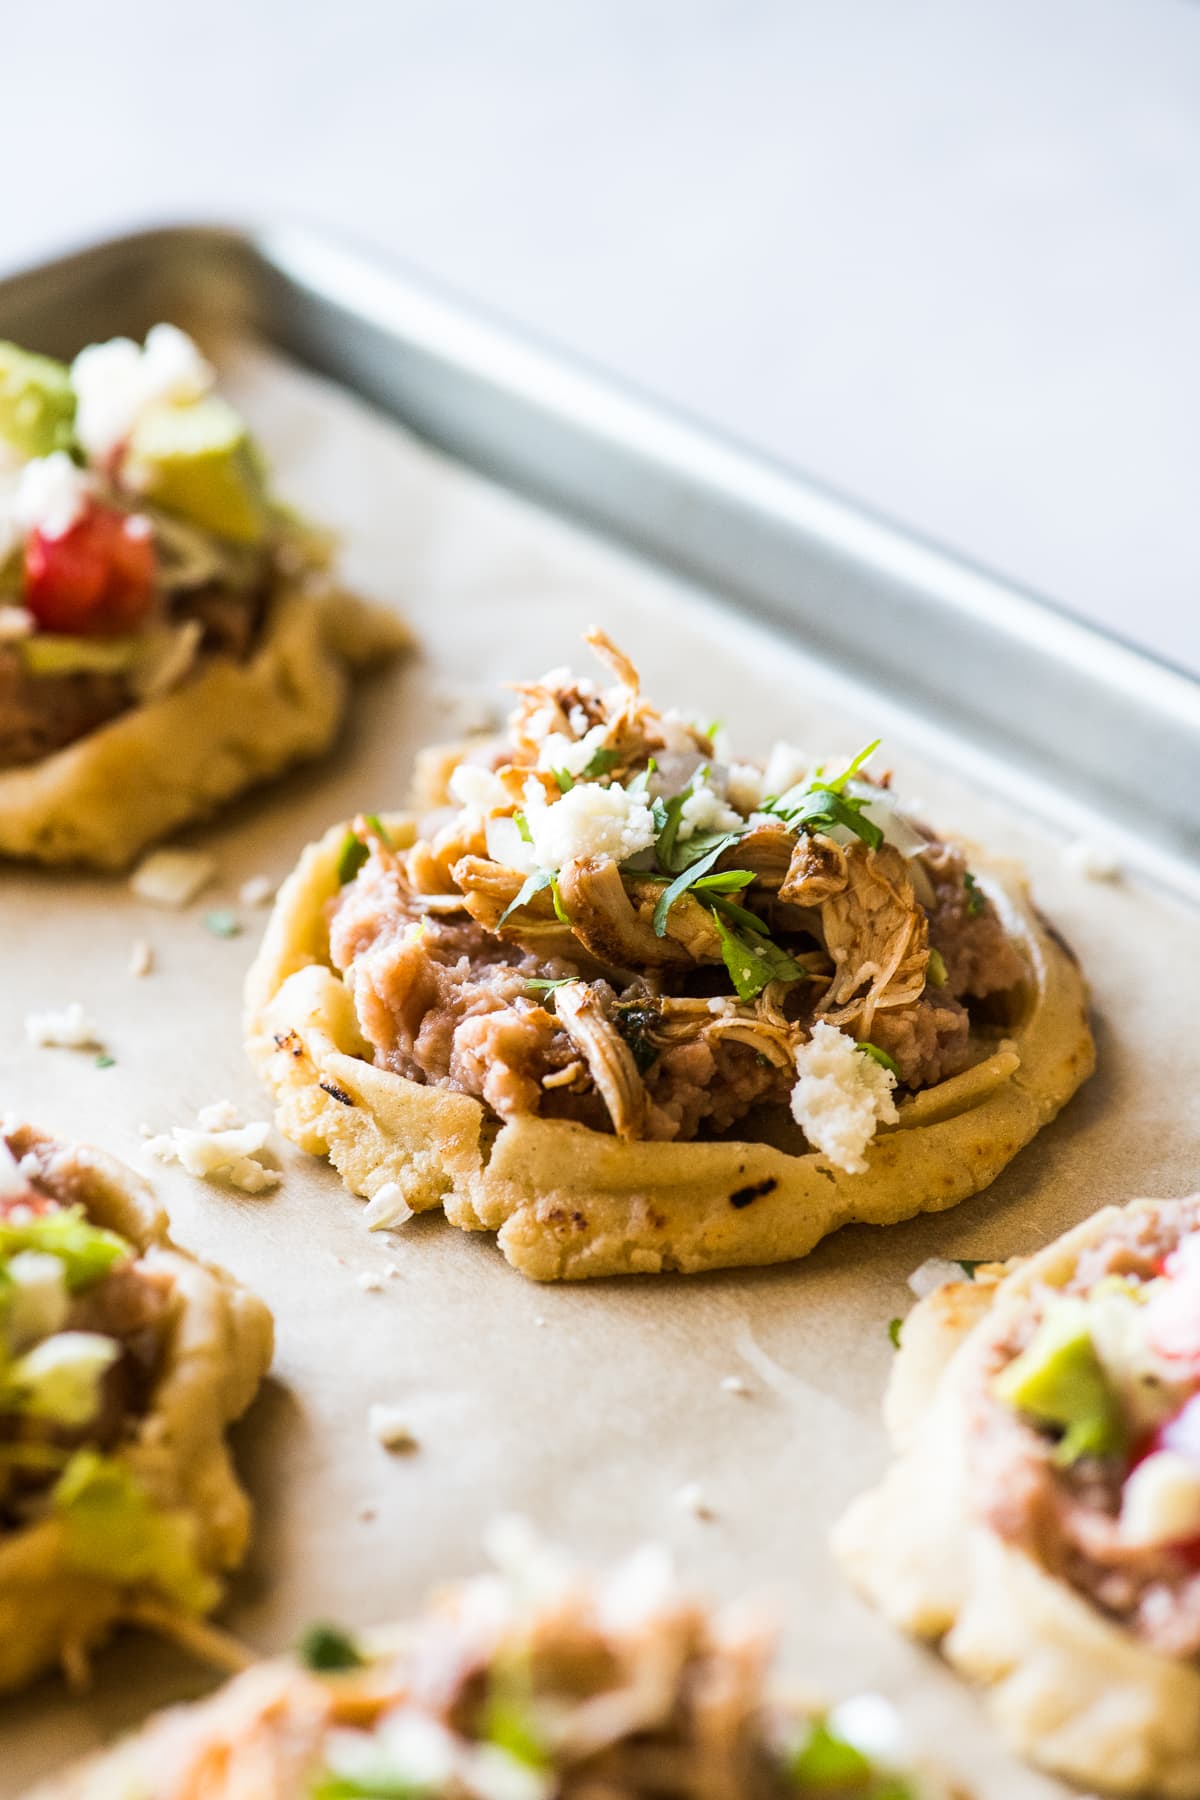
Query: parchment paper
[587, 1407]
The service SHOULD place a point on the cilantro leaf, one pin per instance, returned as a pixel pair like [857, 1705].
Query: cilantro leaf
[522, 825]
[823, 808]
[541, 986]
[753, 960]
[838, 782]
[533, 884]
[565, 780]
[976, 898]
[894, 1329]
[726, 881]
[880, 1056]
[351, 857]
[325, 1647]
[601, 763]
[688, 877]
[937, 968]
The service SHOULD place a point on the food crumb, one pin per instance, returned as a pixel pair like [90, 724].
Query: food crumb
[391, 1270]
[389, 1426]
[172, 877]
[220, 1148]
[539, 1320]
[141, 957]
[258, 891]
[371, 1281]
[70, 1029]
[1098, 862]
[367, 1513]
[735, 1384]
[691, 1499]
[387, 1207]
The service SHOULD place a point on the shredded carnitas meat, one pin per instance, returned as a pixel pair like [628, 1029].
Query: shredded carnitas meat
[612, 921]
[538, 1682]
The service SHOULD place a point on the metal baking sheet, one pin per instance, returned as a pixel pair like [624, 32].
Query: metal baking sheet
[586, 1408]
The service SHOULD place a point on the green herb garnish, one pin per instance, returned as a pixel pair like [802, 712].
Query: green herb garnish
[105, 1061]
[86, 1251]
[894, 1328]
[880, 1056]
[223, 923]
[824, 805]
[968, 1265]
[560, 911]
[602, 761]
[325, 1647]
[565, 780]
[753, 960]
[825, 1761]
[533, 884]
[522, 825]
[351, 857]
[541, 986]
[938, 976]
[976, 898]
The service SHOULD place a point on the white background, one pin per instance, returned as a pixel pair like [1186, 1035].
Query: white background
[943, 255]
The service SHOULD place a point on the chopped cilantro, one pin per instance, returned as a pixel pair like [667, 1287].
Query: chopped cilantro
[353, 853]
[601, 763]
[87, 1252]
[560, 911]
[753, 960]
[351, 857]
[565, 780]
[223, 923]
[522, 825]
[823, 808]
[894, 1329]
[968, 1265]
[105, 1061]
[541, 986]
[838, 782]
[937, 969]
[687, 878]
[726, 881]
[533, 884]
[976, 898]
[324, 1647]
[880, 1056]
[740, 915]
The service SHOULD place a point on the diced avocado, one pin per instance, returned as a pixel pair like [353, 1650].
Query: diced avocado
[87, 1252]
[1058, 1379]
[48, 653]
[37, 402]
[114, 1530]
[60, 1379]
[197, 460]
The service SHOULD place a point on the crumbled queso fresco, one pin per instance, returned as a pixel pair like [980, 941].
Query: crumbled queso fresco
[840, 1097]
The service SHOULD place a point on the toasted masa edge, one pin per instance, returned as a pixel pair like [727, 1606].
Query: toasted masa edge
[174, 760]
[1068, 1688]
[569, 1202]
[218, 1350]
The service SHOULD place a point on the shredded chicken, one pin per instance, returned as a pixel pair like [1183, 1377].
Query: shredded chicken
[876, 933]
[543, 1681]
[453, 947]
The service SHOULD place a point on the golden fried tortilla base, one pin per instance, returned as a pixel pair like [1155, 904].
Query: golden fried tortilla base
[569, 1202]
[1069, 1689]
[176, 759]
[217, 1352]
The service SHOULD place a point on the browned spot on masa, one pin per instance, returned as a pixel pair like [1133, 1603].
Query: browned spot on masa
[338, 1093]
[287, 1040]
[745, 1196]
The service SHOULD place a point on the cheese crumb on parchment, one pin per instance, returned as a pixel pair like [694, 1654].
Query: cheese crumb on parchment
[69, 1029]
[387, 1208]
[172, 877]
[219, 1148]
[141, 957]
[691, 1498]
[841, 1097]
[259, 890]
[1098, 862]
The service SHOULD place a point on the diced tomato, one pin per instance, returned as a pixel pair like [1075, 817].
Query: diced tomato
[30, 1202]
[96, 579]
